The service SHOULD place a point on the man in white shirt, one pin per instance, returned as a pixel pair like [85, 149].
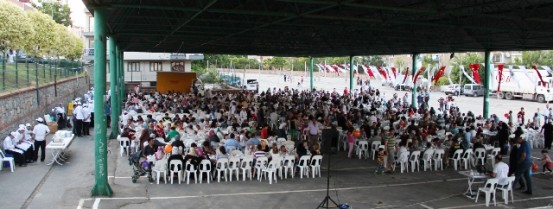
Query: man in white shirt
[500, 171]
[10, 148]
[20, 143]
[312, 131]
[40, 131]
[86, 120]
[78, 116]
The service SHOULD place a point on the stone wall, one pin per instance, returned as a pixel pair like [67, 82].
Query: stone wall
[22, 106]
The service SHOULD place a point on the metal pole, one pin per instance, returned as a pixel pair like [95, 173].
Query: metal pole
[36, 85]
[16, 73]
[27, 67]
[44, 71]
[351, 73]
[56, 77]
[101, 186]
[414, 70]
[50, 68]
[487, 84]
[4, 73]
[311, 73]
[113, 84]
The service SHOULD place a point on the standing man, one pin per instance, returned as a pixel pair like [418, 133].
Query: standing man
[78, 117]
[524, 163]
[60, 113]
[313, 131]
[40, 131]
[390, 144]
[547, 131]
[86, 119]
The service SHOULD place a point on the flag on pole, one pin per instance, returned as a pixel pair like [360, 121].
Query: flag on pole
[406, 75]
[539, 75]
[500, 71]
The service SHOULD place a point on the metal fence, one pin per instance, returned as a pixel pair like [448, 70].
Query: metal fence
[26, 72]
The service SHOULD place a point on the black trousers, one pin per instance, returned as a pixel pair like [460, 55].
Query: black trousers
[547, 141]
[79, 127]
[42, 146]
[86, 128]
[18, 157]
[91, 120]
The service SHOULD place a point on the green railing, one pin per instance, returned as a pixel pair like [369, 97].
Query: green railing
[23, 73]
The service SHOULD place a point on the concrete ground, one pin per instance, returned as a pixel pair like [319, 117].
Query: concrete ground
[353, 182]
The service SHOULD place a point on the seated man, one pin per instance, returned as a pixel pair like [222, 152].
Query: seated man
[232, 142]
[10, 148]
[500, 171]
[20, 143]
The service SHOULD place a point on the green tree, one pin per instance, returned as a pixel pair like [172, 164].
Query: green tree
[58, 11]
[60, 47]
[15, 27]
[465, 60]
[76, 49]
[372, 60]
[276, 62]
[43, 39]
[530, 58]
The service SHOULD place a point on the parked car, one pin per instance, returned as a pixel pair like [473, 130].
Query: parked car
[402, 87]
[473, 90]
[454, 89]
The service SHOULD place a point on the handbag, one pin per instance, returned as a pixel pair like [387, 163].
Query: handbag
[534, 167]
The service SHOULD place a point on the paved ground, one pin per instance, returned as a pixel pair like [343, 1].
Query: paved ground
[41, 186]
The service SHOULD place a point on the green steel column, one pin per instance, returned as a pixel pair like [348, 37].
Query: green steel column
[487, 72]
[101, 187]
[414, 70]
[351, 73]
[113, 84]
[117, 102]
[311, 73]
[121, 81]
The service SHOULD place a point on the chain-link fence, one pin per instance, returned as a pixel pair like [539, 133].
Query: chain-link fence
[19, 73]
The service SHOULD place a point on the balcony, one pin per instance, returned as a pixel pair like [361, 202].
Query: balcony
[88, 54]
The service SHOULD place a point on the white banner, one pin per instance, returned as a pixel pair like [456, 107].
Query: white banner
[534, 80]
[466, 74]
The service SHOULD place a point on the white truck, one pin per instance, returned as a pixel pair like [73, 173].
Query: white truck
[252, 85]
[517, 84]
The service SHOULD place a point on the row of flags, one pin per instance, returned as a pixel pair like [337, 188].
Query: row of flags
[396, 76]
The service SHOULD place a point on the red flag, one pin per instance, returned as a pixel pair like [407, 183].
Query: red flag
[417, 75]
[500, 70]
[406, 75]
[382, 72]
[439, 74]
[394, 72]
[369, 71]
[539, 75]
[474, 68]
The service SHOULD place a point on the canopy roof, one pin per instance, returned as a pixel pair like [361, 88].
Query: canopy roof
[328, 27]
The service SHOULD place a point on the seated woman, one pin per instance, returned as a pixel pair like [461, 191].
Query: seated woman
[283, 150]
[263, 146]
[301, 149]
[195, 154]
[274, 151]
[222, 153]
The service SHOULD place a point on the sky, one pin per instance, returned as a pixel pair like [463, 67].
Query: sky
[77, 12]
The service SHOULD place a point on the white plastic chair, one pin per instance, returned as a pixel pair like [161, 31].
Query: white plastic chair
[271, 171]
[489, 190]
[205, 167]
[222, 168]
[315, 165]
[10, 160]
[230, 148]
[290, 145]
[495, 152]
[234, 166]
[289, 161]
[507, 189]
[438, 159]
[160, 169]
[363, 149]
[124, 143]
[456, 159]
[260, 164]
[176, 167]
[427, 159]
[303, 166]
[414, 160]
[480, 155]
[466, 160]
[374, 148]
[190, 169]
[246, 167]
[403, 161]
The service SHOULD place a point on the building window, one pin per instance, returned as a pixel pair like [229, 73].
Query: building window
[155, 66]
[133, 67]
[177, 66]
